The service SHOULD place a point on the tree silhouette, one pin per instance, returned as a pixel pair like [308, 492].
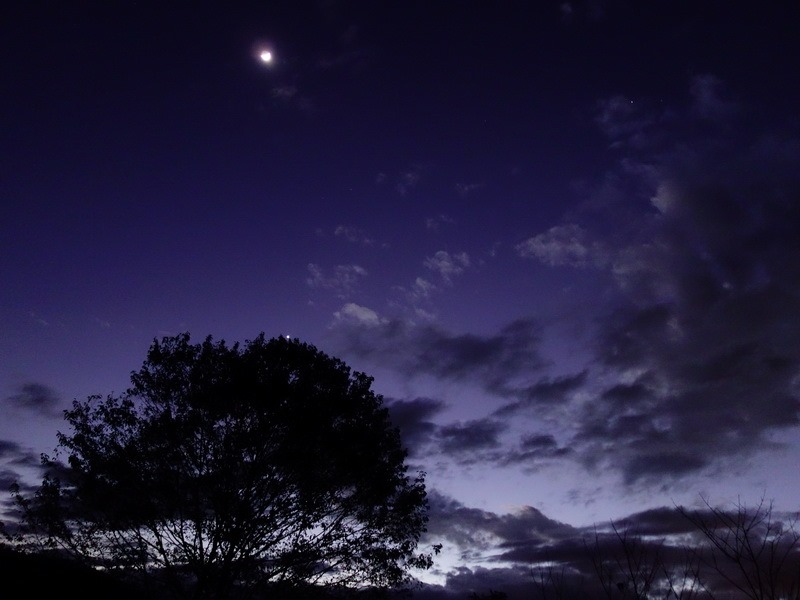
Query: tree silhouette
[751, 549]
[225, 469]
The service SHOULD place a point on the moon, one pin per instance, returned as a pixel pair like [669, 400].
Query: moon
[265, 56]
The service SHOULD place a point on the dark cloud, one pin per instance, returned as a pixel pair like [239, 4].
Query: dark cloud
[624, 121]
[531, 550]
[514, 582]
[709, 98]
[9, 448]
[37, 398]
[546, 391]
[8, 508]
[412, 417]
[695, 346]
[625, 395]
[493, 361]
[478, 440]
[461, 439]
[530, 555]
[698, 362]
[475, 531]
[534, 450]
[14, 459]
[13, 453]
[539, 442]
[659, 521]
[7, 479]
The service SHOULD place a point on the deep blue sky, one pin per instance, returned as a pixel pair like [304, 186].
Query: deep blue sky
[561, 235]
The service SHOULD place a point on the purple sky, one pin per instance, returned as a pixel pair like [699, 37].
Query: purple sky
[561, 235]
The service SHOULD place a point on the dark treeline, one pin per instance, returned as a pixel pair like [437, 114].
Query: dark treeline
[49, 575]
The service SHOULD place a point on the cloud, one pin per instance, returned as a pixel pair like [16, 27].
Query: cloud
[625, 121]
[353, 59]
[434, 223]
[660, 521]
[14, 459]
[563, 245]
[37, 398]
[546, 391]
[359, 315]
[447, 265]
[524, 552]
[694, 354]
[413, 419]
[7, 479]
[463, 440]
[534, 451]
[284, 92]
[696, 358]
[9, 448]
[697, 363]
[478, 534]
[291, 96]
[419, 293]
[38, 319]
[554, 389]
[408, 180]
[421, 289]
[592, 10]
[513, 583]
[342, 282]
[708, 101]
[465, 189]
[13, 453]
[493, 361]
[102, 323]
[353, 235]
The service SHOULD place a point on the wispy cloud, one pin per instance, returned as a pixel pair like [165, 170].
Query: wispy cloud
[408, 181]
[625, 121]
[447, 265]
[465, 189]
[360, 316]
[709, 100]
[563, 245]
[353, 234]
[343, 281]
[434, 223]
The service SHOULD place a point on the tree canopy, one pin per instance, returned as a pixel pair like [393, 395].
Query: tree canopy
[227, 468]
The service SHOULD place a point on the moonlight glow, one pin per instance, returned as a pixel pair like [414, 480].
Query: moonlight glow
[265, 56]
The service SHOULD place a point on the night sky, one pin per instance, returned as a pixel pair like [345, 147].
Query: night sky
[562, 236]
